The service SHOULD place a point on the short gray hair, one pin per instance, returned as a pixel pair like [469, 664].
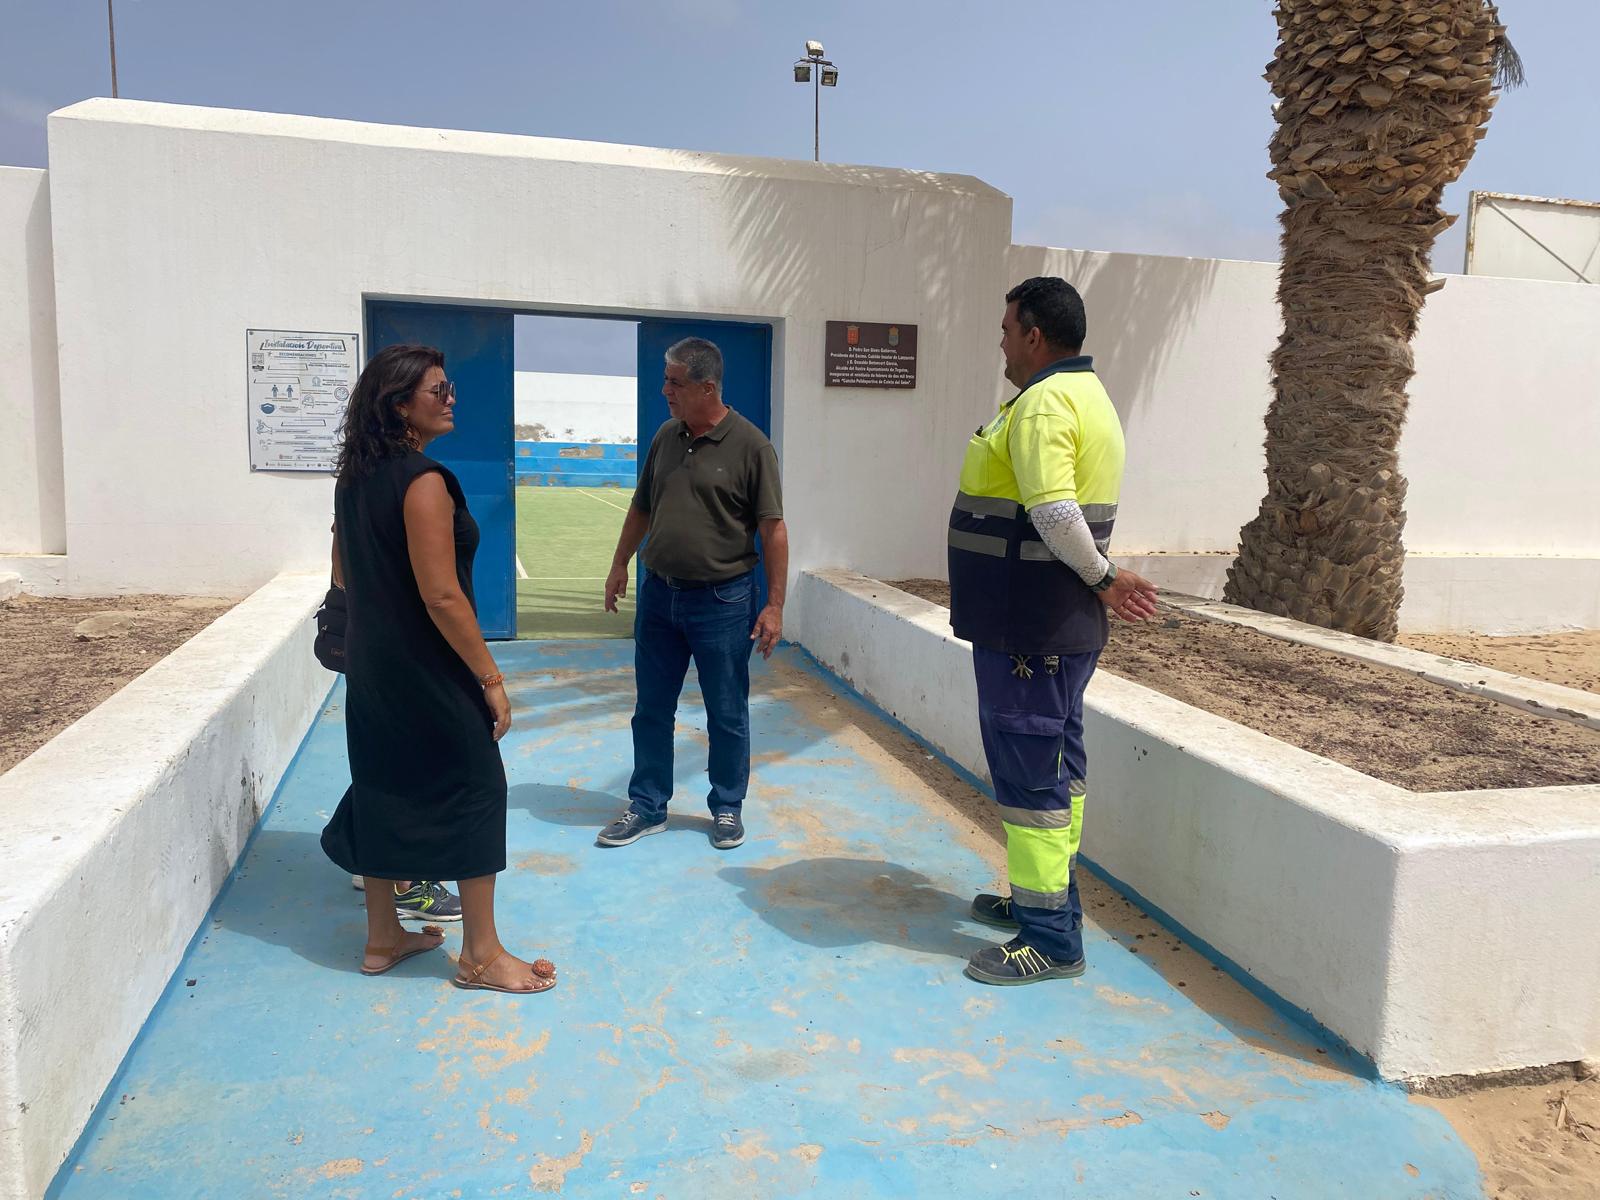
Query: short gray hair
[702, 359]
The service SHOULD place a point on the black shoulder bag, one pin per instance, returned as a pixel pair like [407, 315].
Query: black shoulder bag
[331, 619]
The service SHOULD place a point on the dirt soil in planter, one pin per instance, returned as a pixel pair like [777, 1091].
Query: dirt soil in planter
[1384, 723]
[48, 678]
[1570, 659]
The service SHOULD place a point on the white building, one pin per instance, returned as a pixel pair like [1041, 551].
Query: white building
[130, 271]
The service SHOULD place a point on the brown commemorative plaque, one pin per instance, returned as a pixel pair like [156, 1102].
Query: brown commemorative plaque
[869, 354]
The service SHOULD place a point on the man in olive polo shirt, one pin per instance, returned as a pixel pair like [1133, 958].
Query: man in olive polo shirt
[709, 484]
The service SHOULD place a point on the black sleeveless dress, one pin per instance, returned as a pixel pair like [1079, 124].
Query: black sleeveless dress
[427, 797]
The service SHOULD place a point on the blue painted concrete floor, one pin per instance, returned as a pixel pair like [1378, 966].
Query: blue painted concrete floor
[785, 1019]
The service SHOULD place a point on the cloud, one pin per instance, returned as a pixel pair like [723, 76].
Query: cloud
[1187, 225]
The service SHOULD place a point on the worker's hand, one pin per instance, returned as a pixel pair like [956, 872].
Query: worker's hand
[499, 708]
[768, 630]
[1131, 596]
[616, 586]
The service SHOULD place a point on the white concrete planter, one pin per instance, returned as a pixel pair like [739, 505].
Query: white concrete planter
[1437, 933]
[35, 574]
[116, 836]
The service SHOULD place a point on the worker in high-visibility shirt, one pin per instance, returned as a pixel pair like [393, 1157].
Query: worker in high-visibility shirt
[1030, 586]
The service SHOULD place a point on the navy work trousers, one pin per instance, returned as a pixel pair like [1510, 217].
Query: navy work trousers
[1030, 712]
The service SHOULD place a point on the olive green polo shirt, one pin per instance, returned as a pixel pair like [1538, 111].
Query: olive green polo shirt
[705, 496]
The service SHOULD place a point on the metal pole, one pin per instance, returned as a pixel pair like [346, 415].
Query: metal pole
[111, 28]
[816, 113]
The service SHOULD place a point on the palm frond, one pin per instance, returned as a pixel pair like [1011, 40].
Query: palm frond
[1508, 72]
[1507, 66]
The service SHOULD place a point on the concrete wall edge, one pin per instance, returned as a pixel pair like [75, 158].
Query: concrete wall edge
[121, 861]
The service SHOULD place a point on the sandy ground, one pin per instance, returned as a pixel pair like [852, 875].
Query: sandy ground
[1533, 1142]
[1570, 659]
[48, 678]
[1382, 722]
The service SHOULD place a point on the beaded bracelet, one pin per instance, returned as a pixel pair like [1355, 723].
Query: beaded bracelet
[488, 681]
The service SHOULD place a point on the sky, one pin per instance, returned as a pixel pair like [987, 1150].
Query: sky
[1113, 126]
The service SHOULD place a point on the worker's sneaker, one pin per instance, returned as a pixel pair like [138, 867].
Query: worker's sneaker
[629, 828]
[994, 910]
[427, 900]
[1016, 963]
[727, 830]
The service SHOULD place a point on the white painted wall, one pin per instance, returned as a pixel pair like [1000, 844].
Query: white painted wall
[158, 494]
[1499, 595]
[1529, 237]
[1342, 894]
[32, 513]
[592, 406]
[1504, 428]
[117, 835]
[1181, 345]
[1504, 434]
[1499, 448]
[40, 574]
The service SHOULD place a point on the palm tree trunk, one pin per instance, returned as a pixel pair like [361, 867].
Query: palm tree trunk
[1381, 103]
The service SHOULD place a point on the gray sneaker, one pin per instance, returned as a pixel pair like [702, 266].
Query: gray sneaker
[424, 900]
[628, 828]
[727, 830]
[427, 900]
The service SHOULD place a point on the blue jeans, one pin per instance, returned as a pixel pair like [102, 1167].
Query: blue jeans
[712, 626]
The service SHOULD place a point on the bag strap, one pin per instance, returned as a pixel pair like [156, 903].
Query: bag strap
[338, 551]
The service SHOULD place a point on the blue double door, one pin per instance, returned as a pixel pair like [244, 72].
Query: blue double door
[478, 346]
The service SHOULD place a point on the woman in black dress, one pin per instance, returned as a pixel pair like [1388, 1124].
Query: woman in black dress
[425, 704]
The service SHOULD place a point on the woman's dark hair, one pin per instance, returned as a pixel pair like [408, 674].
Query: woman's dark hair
[373, 430]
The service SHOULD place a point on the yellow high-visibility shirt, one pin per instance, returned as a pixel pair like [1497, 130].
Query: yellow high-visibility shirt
[1060, 439]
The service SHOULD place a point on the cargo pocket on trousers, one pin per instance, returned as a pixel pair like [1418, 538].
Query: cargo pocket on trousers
[1028, 748]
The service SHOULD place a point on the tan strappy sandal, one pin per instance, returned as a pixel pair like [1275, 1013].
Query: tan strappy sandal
[394, 960]
[544, 976]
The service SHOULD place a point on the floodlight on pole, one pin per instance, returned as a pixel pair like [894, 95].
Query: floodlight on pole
[826, 75]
